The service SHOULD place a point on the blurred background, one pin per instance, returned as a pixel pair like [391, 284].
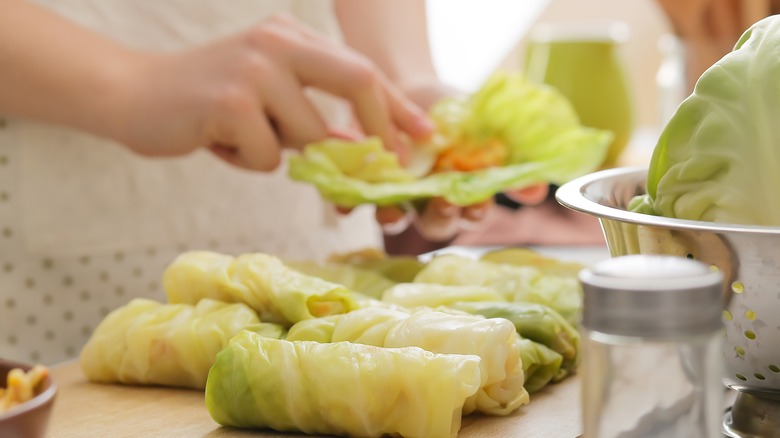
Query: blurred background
[472, 39]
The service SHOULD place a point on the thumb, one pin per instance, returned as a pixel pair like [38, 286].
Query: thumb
[248, 142]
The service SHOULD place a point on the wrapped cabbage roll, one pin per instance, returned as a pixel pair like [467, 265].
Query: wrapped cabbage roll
[275, 291]
[493, 340]
[339, 388]
[435, 295]
[529, 257]
[536, 322]
[541, 365]
[398, 269]
[150, 343]
[516, 283]
[357, 279]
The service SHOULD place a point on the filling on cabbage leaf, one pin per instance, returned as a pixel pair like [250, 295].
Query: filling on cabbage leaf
[510, 134]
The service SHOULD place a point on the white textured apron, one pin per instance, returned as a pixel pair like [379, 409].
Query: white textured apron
[85, 225]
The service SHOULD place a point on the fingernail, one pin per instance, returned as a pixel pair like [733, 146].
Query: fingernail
[397, 227]
[446, 209]
[403, 153]
[345, 134]
[475, 214]
[424, 124]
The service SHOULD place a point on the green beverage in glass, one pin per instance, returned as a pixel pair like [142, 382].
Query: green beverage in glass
[583, 63]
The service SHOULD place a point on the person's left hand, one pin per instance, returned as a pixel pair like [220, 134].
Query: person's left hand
[438, 220]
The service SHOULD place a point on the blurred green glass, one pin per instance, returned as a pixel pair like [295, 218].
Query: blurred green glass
[584, 63]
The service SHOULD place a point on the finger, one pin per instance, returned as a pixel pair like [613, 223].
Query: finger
[332, 67]
[409, 117]
[439, 221]
[290, 22]
[686, 17]
[752, 11]
[329, 67]
[295, 117]
[723, 16]
[352, 77]
[533, 195]
[393, 219]
[343, 210]
[345, 134]
[246, 140]
[477, 212]
[414, 125]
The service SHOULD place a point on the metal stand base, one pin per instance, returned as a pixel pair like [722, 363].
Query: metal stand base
[752, 416]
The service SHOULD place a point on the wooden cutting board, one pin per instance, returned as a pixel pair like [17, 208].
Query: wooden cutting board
[85, 410]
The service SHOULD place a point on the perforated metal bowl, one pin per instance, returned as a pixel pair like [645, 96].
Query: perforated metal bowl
[748, 256]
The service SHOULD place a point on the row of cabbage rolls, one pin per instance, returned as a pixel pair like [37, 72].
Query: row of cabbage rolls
[364, 345]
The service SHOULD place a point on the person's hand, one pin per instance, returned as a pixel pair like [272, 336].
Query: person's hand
[243, 97]
[710, 28]
[437, 220]
[704, 19]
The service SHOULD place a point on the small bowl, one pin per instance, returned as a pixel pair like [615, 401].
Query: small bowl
[31, 418]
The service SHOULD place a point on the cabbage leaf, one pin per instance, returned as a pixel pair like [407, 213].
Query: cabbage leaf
[150, 343]
[340, 388]
[542, 135]
[492, 339]
[277, 292]
[717, 158]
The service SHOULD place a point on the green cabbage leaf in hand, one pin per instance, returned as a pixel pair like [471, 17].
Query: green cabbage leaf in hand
[718, 158]
[510, 134]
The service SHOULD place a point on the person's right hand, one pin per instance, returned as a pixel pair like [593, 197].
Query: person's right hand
[243, 97]
[710, 28]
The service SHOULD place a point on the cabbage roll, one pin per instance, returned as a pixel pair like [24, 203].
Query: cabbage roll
[398, 269]
[493, 340]
[275, 291]
[536, 322]
[339, 388]
[435, 295]
[515, 283]
[367, 282]
[527, 257]
[150, 343]
[541, 365]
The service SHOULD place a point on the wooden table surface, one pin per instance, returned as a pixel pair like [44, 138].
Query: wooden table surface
[84, 410]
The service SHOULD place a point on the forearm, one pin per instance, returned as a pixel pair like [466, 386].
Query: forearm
[393, 33]
[56, 71]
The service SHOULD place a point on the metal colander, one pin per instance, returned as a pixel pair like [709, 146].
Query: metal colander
[748, 257]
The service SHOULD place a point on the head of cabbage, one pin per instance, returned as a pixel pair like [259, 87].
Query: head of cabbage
[718, 158]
